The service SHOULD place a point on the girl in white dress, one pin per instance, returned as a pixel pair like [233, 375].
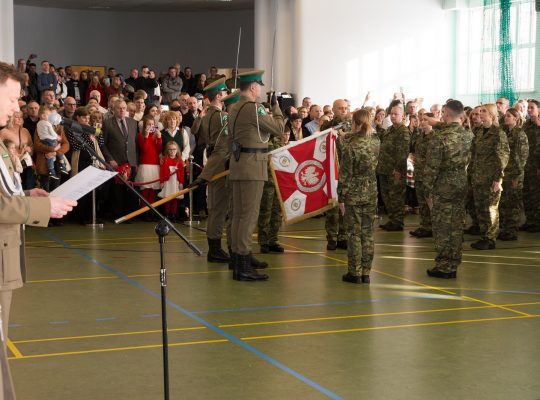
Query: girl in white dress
[171, 174]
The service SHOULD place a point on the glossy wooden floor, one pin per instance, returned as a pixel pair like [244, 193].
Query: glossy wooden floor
[87, 323]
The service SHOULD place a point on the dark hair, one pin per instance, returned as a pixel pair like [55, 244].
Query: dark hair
[516, 114]
[81, 112]
[455, 107]
[8, 71]
[294, 117]
[362, 119]
[534, 101]
[243, 85]
[212, 95]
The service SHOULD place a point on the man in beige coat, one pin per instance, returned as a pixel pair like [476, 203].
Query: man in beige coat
[33, 208]
[250, 129]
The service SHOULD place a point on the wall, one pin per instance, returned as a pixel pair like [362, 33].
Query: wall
[345, 48]
[124, 40]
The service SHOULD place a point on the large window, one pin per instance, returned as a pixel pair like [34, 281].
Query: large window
[478, 49]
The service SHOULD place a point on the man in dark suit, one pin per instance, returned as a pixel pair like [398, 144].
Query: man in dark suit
[119, 134]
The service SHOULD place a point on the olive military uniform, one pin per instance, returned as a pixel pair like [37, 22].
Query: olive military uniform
[531, 184]
[357, 189]
[445, 181]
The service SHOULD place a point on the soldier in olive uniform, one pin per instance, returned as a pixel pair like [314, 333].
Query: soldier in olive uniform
[270, 211]
[212, 132]
[357, 195]
[335, 226]
[421, 146]
[476, 126]
[490, 154]
[31, 207]
[250, 130]
[445, 181]
[511, 199]
[531, 184]
[392, 169]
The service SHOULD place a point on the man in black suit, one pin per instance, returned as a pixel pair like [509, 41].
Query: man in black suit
[119, 134]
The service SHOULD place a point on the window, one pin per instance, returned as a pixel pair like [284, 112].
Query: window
[478, 49]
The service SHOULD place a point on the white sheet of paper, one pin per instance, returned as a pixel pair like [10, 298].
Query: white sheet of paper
[82, 183]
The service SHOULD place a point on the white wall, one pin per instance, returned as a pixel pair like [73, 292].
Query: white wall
[344, 48]
[128, 39]
[7, 51]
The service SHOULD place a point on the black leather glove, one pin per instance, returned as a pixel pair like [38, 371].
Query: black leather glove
[197, 182]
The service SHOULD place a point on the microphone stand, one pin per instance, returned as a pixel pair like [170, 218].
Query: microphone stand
[163, 227]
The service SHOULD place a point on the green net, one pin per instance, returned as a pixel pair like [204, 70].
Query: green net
[506, 59]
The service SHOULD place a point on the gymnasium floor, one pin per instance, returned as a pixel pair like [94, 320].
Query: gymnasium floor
[87, 324]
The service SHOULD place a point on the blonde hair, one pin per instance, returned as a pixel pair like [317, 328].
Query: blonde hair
[516, 114]
[11, 120]
[173, 144]
[492, 110]
[362, 120]
[169, 115]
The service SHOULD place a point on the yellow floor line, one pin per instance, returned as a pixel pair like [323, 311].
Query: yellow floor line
[426, 285]
[149, 346]
[463, 261]
[11, 346]
[196, 328]
[397, 313]
[172, 274]
[376, 328]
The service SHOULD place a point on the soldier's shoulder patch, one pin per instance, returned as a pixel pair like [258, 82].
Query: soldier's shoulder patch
[261, 110]
[224, 118]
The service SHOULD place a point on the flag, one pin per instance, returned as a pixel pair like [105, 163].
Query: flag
[305, 174]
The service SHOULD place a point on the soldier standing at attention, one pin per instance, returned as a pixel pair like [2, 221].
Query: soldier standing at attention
[490, 153]
[250, 129]
[335, 226]
[357, 194]
[531, 184]
[512, 199]
[476, 126]
[392, 169]
[445, 182]
[212, 132]
[421, 147]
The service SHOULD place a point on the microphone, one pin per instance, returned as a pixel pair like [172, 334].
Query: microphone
[78, 128]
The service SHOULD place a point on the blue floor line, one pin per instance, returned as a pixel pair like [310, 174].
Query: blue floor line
[214, 328]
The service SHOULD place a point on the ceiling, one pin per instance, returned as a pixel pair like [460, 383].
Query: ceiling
[143, 5]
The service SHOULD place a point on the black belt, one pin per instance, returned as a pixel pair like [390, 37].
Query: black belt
[253, 150]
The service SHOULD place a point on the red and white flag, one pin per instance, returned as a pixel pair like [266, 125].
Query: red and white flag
[306, 175]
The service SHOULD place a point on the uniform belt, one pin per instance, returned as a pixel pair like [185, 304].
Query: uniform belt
[253, 150]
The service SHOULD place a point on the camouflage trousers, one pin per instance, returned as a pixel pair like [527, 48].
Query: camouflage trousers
[425, 214]
[360, 246]
[334, 225]
[393, 195]
[486, 204]
[510, 208]
[447, 222]
[219, 207]
[269, 215]
[469, 204]
[531, 197]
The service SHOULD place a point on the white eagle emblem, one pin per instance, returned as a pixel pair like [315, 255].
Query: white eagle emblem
[309, 176]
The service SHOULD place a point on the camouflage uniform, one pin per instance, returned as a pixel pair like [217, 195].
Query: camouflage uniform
[531, 183]
[393, 157]
[270, 211]
[357, 189]
[334, 224]
[511, 199]
[490, 153]
[445, 181]
[469, 204]
[421, 145]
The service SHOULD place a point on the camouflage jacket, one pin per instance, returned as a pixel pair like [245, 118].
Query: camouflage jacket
[394, 151]
[347, 126]
[519, 152]
[490, 152]
[448, 154]
[533, 135]
[357, 180]
[420, 153]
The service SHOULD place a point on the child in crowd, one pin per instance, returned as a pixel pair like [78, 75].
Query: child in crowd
[48, 136]
[171, 175]
[150, 144]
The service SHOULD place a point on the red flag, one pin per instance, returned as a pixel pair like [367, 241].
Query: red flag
[306, 175]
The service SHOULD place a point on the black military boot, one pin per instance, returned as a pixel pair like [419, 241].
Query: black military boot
[483, 244]
[231, 260]
[215, 253]
[257, 264]
[276, 248]
[342, 244]
[233, 265]
[245, 271]
[331, 245]
[436, 273]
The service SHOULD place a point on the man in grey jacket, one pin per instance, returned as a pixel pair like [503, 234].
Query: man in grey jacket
[171, 86]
